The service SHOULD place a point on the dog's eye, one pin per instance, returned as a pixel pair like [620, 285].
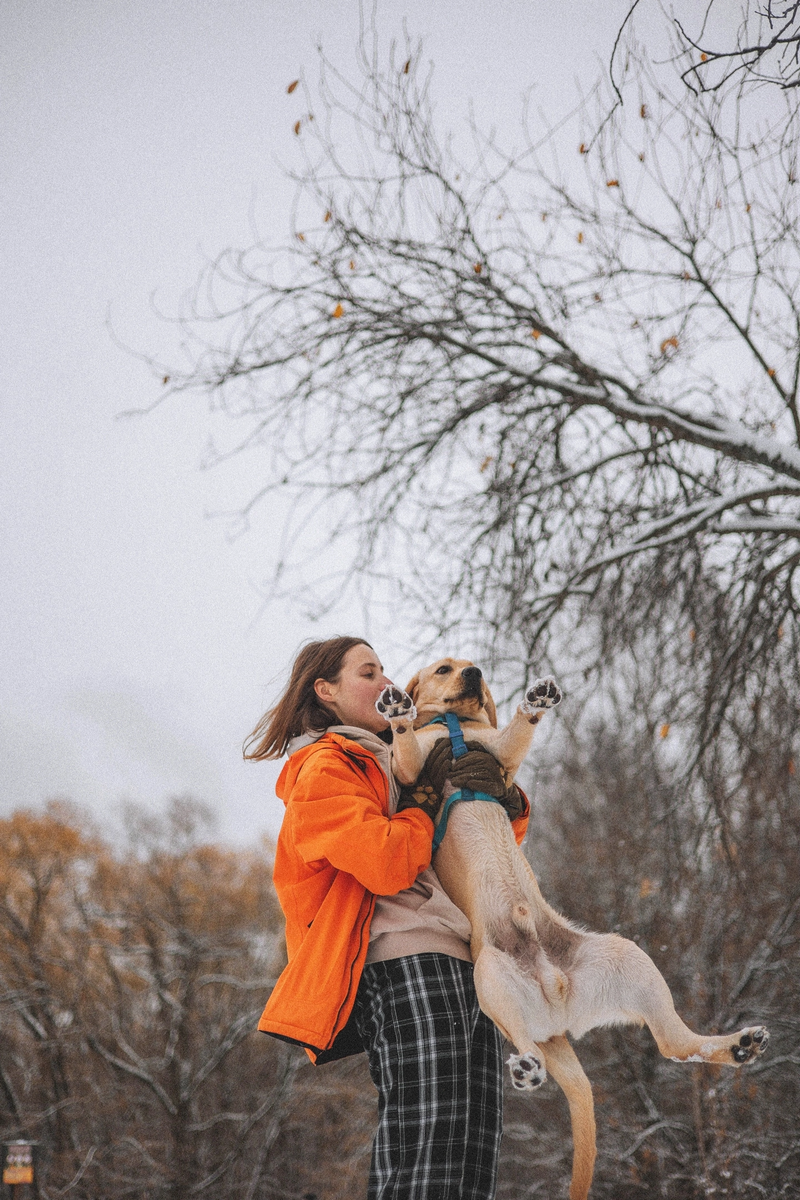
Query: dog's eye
[443, 670]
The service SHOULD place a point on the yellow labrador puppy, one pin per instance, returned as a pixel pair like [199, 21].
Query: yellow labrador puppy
[537, 975]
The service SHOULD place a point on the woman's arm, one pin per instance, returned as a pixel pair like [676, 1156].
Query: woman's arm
[337, 816]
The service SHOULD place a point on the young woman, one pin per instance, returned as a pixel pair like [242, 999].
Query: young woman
[379, 957]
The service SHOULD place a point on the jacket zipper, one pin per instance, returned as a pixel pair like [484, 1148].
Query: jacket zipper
[364, 924]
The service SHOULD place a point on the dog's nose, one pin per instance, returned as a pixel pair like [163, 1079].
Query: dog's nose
[471, 675]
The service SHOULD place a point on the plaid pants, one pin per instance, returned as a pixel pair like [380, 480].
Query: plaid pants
[435, 1059]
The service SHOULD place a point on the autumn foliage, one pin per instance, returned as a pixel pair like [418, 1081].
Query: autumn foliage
[131, 983]
[131, 980]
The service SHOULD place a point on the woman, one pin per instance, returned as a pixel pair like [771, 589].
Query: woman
[379, 957]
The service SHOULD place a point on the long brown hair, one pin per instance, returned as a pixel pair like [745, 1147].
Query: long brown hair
[300, 708]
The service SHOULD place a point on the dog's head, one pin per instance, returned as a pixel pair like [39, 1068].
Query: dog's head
[452, 685]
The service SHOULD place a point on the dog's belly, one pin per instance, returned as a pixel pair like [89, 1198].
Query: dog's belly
[530, 945]
[480, 866]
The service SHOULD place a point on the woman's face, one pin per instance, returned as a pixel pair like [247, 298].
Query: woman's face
[352, 697]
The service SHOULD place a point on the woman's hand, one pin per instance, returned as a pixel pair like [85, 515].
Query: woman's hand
[477, 769]
[480, 771]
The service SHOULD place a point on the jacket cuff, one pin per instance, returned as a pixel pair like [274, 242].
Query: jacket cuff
[520, 824]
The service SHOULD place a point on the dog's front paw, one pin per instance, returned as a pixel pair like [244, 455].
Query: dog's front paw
[543, 694]
[527, 1073]
[395, 705]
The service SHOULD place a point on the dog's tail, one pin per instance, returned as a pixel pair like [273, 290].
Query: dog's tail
[562, 1063]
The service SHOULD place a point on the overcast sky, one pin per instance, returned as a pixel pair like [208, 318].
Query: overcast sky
[136, 138]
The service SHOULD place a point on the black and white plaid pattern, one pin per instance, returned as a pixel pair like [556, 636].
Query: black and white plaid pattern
[435, 1059]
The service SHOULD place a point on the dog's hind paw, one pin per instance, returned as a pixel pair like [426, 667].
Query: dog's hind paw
[395, 705]
[750, 1043]
[733, 1049]
[527, 1073]
[543, 694]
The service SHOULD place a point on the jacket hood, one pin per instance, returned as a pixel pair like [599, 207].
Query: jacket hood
[370, 741]
[345, 736]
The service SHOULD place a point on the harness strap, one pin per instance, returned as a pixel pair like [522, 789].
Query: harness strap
[457, 743]
[459, 749]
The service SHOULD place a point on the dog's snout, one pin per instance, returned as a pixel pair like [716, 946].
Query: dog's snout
[472, 678]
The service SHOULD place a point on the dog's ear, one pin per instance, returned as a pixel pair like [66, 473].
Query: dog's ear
[488, 704]
[412, 685]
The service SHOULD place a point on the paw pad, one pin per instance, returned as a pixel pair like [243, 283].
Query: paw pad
[527, 1073]
[393, 703]
[544, 693]
[752, 1042]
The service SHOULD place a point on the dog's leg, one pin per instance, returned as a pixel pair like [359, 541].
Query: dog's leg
[563, 1065]
[676, 1041]
[517, 1005]
[511, 1000]
[398, 709]
[513, 743]
[630, 981]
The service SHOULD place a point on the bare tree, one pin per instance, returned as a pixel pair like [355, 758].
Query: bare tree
[546, 390]
[764, 49]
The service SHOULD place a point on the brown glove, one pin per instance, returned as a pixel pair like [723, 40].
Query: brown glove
[480, 770]
[477, 769]
[420, 795]
[513, 802]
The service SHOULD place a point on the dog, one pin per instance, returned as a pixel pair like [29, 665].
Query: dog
[538, 976]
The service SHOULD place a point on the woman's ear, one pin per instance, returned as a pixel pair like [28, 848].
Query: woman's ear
[323, 690]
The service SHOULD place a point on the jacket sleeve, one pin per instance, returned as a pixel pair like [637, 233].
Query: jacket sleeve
[520, 825]
[337, 817]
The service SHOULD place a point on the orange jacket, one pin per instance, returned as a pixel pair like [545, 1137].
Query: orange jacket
[337, 849]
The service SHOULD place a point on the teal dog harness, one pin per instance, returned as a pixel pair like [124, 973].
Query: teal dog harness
[459, 749]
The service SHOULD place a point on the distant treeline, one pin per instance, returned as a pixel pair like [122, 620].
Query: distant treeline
[131, 981]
